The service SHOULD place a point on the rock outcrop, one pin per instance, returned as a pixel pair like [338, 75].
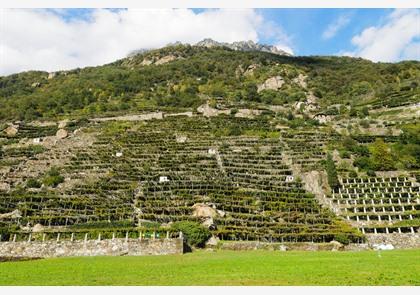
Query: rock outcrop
[273, 83]
[61, 133]
[11, 215]
[242, 46]
[12, 130]
[203, 210]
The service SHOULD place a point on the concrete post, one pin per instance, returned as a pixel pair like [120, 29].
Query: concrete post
[399, 230]
[14, 238]
[412, 230]
[72, 237]
[86, 237]
[154, 235]
[113, 236]
[386, 230]
[43, 237]
[126, 237]
[167, 234]
[99, 237]
[58, 237]
[29, 238]
[181, 235]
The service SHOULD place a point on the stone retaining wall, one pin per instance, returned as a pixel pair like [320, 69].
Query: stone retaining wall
[399, 241]
[115, 247]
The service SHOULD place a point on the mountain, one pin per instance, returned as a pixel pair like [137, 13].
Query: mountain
[243, 46]
[246, 144]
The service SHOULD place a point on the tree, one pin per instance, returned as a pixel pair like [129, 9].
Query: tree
[331, 172]
[381, 156]
[195, 234]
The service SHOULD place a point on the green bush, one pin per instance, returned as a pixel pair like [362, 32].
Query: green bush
[33, 183]
[194, 233]
[371, 173]
[342, 238]
[331, 172]
[52, 178]
[353, 174]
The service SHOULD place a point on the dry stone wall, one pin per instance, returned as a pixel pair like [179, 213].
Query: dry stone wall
[115, 247]
[398, 241]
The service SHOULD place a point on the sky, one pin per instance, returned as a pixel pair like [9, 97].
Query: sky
[62, 39]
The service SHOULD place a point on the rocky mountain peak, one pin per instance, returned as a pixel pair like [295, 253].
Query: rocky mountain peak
[242, 46]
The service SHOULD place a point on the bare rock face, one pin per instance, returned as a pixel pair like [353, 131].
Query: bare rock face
[322, 118]
[181, 138]
[11, 215]
[213, 241]
[209, 223]
[146, 62]
[165, 59]
[336, 246]
[247, 113]
[12, 130]
[250, 70]
[51, 75]
[242, 46]
[38, 228]
[61, 133]
[239, 71]
[273, 83]
[208, 111]
[62, 124]
[300, 80]
[4, 186]
[203, 210]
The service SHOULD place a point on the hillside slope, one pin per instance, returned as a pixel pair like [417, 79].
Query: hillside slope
[252, 145]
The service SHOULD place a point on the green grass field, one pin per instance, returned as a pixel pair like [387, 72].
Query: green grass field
[398, 267]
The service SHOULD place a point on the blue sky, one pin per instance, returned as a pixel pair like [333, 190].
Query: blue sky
[56, 39]
[306, 27]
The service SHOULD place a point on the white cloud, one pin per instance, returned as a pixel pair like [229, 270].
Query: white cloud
[396, 39]
[272, 31]
[285, 48]
[332, 29]
[44, 40]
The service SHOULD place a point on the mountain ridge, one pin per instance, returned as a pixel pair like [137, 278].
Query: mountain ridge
[209, 43]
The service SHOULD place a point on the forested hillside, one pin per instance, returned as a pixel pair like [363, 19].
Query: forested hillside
[185, 76]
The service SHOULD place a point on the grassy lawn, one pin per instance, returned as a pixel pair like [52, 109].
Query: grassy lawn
[398, 267]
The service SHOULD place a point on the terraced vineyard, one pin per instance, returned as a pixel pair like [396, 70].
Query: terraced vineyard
[153, 173]
[248, 146]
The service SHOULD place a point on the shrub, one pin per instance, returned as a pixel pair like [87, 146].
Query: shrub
[382, 157]
[342, 238]
[353, 174]
[371, 173]
[345, 154]
[53, 178]
[194, 233]
[363, 163]
[364, 123]
[331, 172]
[33, 183]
